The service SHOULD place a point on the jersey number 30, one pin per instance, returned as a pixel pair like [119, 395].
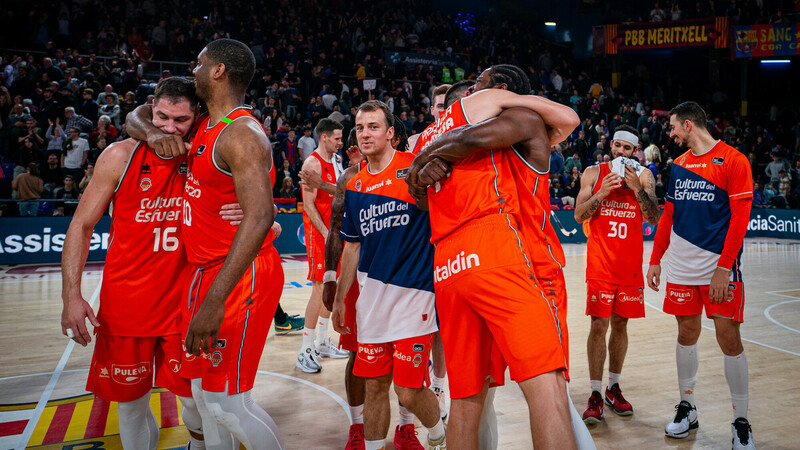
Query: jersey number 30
[618, 230]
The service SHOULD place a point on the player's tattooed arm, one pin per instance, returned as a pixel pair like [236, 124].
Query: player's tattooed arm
[648, 202]
[587, 203]
[335, 244]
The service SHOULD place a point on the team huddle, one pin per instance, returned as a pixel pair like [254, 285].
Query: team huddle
[442, 252]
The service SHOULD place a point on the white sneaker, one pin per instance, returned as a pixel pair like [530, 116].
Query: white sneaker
[441, 396]
[440, 444]
[742, 435]
[307, 360]
[685, 420]
[328, 350]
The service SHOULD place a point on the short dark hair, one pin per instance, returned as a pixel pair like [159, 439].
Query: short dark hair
[240, 64]
[401, 133]
[175, 89]
[512, 76]
[456, 92]
[441, 89]
[327, 127]
[376, 105]
[690, 111]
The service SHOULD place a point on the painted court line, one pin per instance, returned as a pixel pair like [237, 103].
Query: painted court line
[324, 390]
[48, 391]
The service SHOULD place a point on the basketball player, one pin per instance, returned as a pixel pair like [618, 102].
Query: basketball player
[524, 131]
[703, 224]
[395, 313]
[436, 108]
[614, 207]
[316, 221]
[238, 277]
[488, 204]
[138, 325]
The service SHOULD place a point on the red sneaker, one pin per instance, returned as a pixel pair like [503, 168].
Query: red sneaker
[405, 438]
[594, 413]
[356, 439]
[617, 402]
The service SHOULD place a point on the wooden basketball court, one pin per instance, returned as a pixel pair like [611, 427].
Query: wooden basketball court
[43, 402]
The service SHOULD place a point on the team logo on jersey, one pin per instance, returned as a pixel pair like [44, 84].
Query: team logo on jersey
[369, 354]
[220, 343]
[130, 373]
[718, 160]
[330, 177]
[216, 358]
[358, 185]
[679, 296]
[174, 365]
[183, 169]
[104, 372]
[631, 298]
[419, 347]
[417, 360]
[402, 173]
[145, 169]
[606, 297]
[200, 150]
[145, 184]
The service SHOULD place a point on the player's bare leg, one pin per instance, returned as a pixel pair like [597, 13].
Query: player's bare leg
[439, 373]
[376, 408]
[617, 343]
[547, 399]
[465, 416]
[423, 403]
[596, 351]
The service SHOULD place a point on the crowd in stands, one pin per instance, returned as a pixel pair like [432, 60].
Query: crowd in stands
[65, 97]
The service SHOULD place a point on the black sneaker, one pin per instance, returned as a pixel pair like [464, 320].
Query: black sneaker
[685, 420]
[742, 435]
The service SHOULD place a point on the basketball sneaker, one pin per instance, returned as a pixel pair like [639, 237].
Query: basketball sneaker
[685, 420]
[307, 360]
[293, 323]
[594, 413]
[742, 435]
[441, 396]
[356, 439]
[617, 402]
[405, 438]
[328, 350]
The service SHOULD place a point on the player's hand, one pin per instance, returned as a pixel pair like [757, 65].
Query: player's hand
[610, 182]
[632, 180]
[276, 228]
[204, 328]
[311, 178]
[436, 170]
[232, 212]
[653, 277]
[328, 294]
[337, 317]
[355, 156]
[718, 289]
[73, 316]
[168, 145]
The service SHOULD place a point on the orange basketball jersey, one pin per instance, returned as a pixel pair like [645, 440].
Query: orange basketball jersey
[208, 187]
[479, 185]
[615, 246]
[145, 233]
[324, 200]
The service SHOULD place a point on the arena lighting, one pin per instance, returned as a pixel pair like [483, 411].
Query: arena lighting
[775, 61]
[549, 24]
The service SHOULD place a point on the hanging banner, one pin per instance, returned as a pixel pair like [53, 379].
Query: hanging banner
[767, 40]
[682, 34]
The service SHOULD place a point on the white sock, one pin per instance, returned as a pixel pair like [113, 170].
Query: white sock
[322, 331]
[613, 378]
[736, 374]
[357, 414]
[193, 421]
[215, 436]
[375, 445]
[597, 385]
[687, 361]
[137, 424]
[487, 427]
[308, 338]
[437, 383]
[245, 420]
[582, 436]
[406, 417]
[437, 431]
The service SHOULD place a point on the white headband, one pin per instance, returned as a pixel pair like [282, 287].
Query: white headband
[626, 136]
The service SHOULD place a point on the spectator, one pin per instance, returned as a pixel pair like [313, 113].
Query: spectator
[557, 192]
[556, 162]
[105, 130]
[55, 136]
[29, 189]
[98, 148]
[77, 121]
[306, 144]
[785, 184]
[87, 177]
[287, 189]
[775, 167]
[32, 132]
[88, 107]
[289, 151]
[27, 153]
[657, 14]
[110, 110]
[76, 150]
[759, 199]
[573, 186]
[51, 174]
[575, 161]
[108, 91]
[68, 196]
[126, 106]
[285, 172]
